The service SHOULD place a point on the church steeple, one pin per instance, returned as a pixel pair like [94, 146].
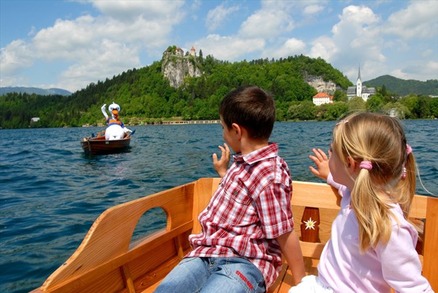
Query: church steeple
[359, 84]
[359, 89]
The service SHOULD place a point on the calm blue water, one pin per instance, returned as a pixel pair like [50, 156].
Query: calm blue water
[51, 192]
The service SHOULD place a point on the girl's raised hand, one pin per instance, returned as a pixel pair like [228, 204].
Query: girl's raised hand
[322, 164]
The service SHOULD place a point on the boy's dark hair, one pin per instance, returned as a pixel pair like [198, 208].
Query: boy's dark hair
[249, 107]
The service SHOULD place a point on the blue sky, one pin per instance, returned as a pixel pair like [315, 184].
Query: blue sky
[70, 44]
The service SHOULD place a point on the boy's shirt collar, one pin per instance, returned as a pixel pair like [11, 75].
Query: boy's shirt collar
[269, 151]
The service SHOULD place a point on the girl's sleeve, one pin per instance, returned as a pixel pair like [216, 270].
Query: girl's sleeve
[401, 265]
[335, 184]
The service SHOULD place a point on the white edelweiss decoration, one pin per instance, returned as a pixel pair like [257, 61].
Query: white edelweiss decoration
[310, 224]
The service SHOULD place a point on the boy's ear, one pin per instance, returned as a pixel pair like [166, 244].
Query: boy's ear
[236, 128]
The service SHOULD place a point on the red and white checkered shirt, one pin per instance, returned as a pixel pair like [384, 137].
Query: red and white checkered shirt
[249, 210]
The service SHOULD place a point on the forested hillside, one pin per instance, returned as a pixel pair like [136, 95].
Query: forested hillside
[402, 87]
[145, 96]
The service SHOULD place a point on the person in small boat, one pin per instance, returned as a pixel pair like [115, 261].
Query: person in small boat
[115, 127]
[248, 222]
[372, 244]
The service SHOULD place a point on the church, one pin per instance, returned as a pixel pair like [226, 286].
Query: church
[360, 90]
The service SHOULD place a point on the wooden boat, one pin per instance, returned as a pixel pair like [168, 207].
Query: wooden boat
[98, 145]
[107, 260]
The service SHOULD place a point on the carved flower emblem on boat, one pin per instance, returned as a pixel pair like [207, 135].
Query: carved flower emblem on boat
[310, 224]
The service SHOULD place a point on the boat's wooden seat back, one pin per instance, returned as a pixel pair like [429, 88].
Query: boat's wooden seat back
[321, 203]
[107, 261]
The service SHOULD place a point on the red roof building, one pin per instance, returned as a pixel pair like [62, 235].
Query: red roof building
[322, 98]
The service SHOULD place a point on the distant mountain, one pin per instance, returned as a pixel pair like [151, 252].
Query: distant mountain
[34, 90]
[405, 87]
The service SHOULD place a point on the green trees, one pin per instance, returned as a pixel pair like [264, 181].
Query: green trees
[332, 111]
[301, 111]
[145, 96]
[375, 103]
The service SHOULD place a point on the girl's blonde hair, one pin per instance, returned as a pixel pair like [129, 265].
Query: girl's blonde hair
[381, 140]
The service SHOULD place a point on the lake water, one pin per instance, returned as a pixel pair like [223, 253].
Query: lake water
[51, 192]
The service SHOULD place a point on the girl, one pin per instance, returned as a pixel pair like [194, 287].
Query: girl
[372, 244]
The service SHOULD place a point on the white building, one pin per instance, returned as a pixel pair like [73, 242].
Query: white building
[360, 90]
[322, 98]
[193, 52]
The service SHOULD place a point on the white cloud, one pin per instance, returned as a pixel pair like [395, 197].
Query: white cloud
[313, 9]
[97, 47]
[228, 47]
[128, 10]
[413, 70]
[354, 19]
[251, 39]
[323, 47]
[216, 16]
[15, 56]
[430, 69]
[399, 73]
[266, 23]
[289, 48]
[355, 40]
[427, 53]
[418, 20]
[65, 39]
[108, 60]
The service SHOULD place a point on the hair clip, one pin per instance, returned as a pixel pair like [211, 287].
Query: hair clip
[342, 121]
[403, 176]
[408, 149]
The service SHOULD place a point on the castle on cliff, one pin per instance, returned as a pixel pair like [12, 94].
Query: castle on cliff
[177, 65]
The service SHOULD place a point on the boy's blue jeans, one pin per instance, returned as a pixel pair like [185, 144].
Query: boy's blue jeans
[213, 274]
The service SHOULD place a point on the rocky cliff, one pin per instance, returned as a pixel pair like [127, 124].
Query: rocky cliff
[176, 65]
[320, 85]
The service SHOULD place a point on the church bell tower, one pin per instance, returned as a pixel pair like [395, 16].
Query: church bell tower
[359, 85]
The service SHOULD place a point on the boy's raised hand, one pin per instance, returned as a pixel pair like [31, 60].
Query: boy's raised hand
[322, 164]
[221, 165]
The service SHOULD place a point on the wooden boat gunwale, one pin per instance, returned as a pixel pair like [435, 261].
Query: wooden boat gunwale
[106, 260]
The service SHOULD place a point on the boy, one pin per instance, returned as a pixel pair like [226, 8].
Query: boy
[248, 222]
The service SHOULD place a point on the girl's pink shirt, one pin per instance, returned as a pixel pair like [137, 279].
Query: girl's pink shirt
[393, 265]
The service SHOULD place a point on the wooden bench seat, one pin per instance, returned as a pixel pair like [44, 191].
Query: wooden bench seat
[107, 261]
